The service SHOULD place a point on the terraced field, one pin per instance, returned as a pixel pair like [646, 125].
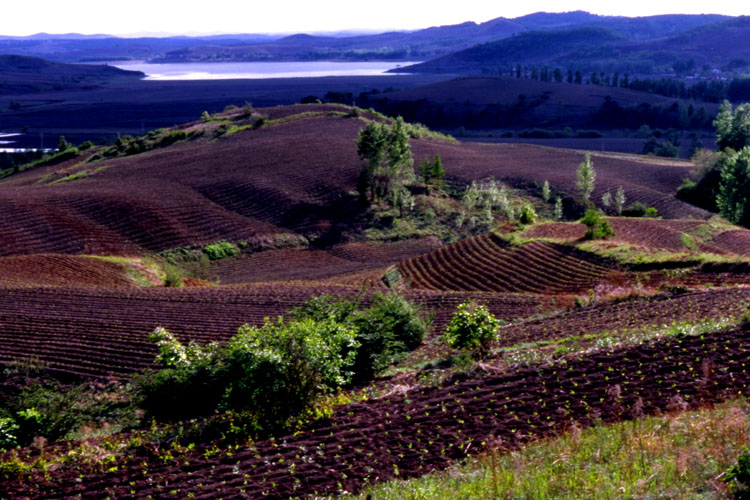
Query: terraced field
[489, 263]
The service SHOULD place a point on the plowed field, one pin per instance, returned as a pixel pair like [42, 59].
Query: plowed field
[102, 332]
[488, 263]
[336, 264]
[656, 234]
[62, 270]
[429, 429]
[293, 176]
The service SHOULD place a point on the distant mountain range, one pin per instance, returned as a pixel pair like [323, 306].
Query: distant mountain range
[610, 35]
[610, 46]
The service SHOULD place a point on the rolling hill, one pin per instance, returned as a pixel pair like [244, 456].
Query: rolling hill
[22, 75]
[645, 322]
[293, 176]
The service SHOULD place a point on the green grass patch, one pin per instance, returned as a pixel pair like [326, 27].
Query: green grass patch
[634, 256]
[671, 456]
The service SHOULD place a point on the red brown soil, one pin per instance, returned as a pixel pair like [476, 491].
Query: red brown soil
[653, 234]
[282, 178]
[62, 270]
[102, 332]
[429, 429]
[347, 263]
[488, 263]
[649, 180]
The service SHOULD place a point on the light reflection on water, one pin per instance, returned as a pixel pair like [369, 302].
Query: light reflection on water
[257, 70]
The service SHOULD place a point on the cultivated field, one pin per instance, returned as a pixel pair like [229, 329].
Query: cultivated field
[92, 250]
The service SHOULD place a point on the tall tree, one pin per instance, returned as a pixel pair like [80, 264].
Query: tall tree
[438, 171]
[619, 200]
[371, 148]
[585, 178]
[733, 126]
[733, 198]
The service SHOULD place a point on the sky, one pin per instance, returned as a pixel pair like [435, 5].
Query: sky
[26, 17]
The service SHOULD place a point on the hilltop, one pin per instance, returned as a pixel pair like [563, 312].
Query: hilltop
[23, 75]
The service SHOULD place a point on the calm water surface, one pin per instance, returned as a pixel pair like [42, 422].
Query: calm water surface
[228, 71]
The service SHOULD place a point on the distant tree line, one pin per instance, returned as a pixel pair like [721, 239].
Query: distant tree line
[735, 90]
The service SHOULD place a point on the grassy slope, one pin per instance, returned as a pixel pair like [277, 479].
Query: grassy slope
[677, 455]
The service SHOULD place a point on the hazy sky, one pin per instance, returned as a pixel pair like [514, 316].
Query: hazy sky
[24, 17]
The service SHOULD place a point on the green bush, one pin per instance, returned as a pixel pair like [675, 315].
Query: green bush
[391, 327]
[651, 212]
[388, 329]
[221, 250]
[273, 372]
[597, 229]
[472, 326]
[276, 371]
[8, 433]
[528, 215]
[739, 474]
[635, 209]
[325, 307]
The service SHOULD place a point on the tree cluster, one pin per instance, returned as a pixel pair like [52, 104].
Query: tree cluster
[387, 164]
[723, 180]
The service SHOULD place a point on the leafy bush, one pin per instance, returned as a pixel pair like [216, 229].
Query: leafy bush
[739, 473]
[597, 228]
[472, 326]
[8, 433]
[651, 212]
[635, 209]
[221, 250]
[528, 215]
[273, 372]
[391, 327]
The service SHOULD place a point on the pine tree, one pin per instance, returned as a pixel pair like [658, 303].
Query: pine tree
[438, 171]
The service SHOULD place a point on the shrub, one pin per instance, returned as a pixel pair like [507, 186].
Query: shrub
[273, 372]
[221, 250]
[635, 209]
[8, 433]
[391, 327]
[651, 212]
[528, 215]
[471, 327]
[276, 371]
[739, 473]
[597, 229]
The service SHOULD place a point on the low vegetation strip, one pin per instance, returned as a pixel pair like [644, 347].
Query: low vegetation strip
[419, 431]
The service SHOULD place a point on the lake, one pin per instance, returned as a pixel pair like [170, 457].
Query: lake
[255, 70]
